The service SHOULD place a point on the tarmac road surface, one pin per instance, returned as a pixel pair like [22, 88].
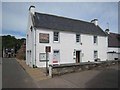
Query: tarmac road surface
[14, 76]
[97, 78]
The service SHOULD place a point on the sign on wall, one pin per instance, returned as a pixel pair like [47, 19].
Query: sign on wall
[43, 38]
[48, 49]
[42, 57]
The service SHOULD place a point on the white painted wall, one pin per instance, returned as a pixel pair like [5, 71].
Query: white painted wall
[111, 49]
[30, 58]
[67, 45]
[112, 56]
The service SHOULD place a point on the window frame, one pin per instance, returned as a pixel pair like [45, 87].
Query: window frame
[79, 41]
[58, 50]
[57, 36]
[95, 52]
[95, 39]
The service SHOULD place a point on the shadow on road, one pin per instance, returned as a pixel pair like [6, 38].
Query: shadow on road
[107, 78]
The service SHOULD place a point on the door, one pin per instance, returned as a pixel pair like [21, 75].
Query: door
[77, 56]
[56, 56]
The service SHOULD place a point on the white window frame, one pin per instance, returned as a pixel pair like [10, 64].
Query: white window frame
[59, 54]
[95, 39]
[58, 36]
[95, 56]
[79, 41]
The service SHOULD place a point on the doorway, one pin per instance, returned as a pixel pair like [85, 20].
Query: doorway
[78, 56]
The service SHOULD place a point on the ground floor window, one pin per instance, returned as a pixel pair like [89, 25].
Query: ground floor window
[56, 56]
[95, 54]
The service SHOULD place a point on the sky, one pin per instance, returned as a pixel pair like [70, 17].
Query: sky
[15, 14]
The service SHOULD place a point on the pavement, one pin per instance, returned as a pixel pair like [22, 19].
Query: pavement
[36, 73]
[14, 76]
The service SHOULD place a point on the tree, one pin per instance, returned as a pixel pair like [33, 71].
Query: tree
[11, 42]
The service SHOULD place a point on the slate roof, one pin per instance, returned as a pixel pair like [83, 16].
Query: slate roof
[59, 23]
[114, 40]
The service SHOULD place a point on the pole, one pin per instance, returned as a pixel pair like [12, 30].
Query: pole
[46, 63]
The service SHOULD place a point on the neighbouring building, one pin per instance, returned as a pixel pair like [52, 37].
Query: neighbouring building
[113, 46]
[8, 52]
[69, 40]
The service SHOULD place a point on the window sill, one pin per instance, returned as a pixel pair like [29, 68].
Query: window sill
[56, 42]
[79, 43]
[95, 44]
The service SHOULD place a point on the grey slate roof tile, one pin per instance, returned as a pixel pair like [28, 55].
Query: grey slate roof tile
[114, 40]
[66, 24]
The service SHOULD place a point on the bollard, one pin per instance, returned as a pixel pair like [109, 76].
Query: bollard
[50, 70]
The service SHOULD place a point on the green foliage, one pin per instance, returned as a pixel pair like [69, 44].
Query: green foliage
[11, 42]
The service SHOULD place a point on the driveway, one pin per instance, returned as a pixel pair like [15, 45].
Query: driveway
[14, 76]
[97, 78]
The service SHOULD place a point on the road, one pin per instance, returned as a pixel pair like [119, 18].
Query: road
[0, 73]
[97, 78]
[14, 76]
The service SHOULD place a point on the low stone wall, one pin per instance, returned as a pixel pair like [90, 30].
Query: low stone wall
[68, 68]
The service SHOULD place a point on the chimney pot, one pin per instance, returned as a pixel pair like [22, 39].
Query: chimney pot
[95, 21]
[32, 9]
[107, 31]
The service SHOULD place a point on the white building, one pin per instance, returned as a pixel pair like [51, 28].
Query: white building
[70, 40]
[113, 46]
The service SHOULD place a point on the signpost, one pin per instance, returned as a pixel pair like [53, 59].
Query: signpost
[47, 49]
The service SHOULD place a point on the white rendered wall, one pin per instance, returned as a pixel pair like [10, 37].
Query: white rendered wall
[68, 44]
[30, 39]
[111, 49]
[112, 56]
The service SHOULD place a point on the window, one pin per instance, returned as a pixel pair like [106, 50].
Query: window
[95, 54]
[56, 56]
[95, 39]
[77, 38]
[31, 28]
[56, 36]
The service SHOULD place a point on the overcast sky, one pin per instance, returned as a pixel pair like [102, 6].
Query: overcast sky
[15, 14]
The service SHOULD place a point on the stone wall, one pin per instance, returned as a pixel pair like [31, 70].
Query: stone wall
[68, 68]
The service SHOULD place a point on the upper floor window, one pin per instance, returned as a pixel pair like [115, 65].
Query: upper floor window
[95, 54]
[56, 36]
[95, 39]
[77, 38]
[31, 28]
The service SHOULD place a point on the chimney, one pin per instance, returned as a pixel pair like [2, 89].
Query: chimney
[95, 21]
[107, 31]
[32, 9]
